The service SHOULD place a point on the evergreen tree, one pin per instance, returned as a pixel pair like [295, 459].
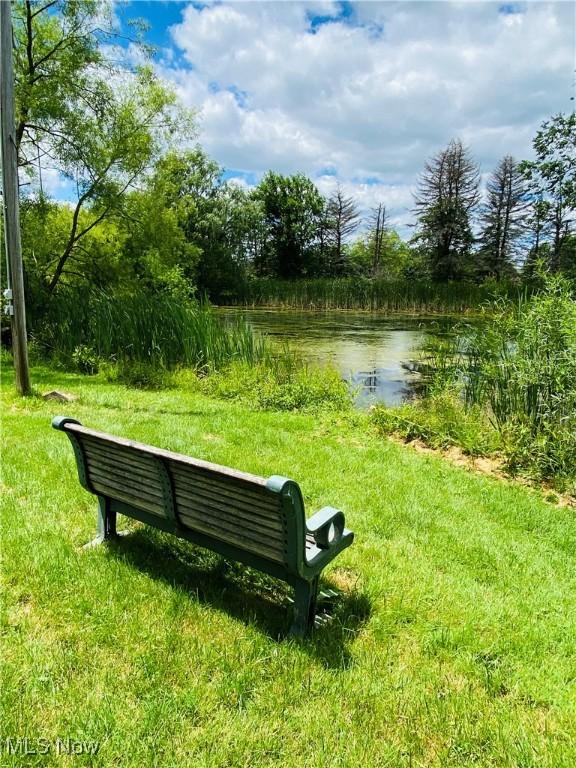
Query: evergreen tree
[446, 198]
[503, 220]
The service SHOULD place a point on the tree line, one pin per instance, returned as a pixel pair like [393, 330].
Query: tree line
[146, 212]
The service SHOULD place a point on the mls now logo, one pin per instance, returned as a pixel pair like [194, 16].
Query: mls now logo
[23, 745]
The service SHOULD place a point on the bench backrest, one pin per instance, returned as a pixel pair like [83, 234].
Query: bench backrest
[245, 511]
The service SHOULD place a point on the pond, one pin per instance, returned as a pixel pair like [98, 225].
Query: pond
[377, 354]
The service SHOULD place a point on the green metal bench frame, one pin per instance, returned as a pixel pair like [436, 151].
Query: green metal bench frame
[309, 545]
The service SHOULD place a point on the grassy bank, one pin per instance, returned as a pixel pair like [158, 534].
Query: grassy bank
[454, 644]
[372, 295]
[506, 384]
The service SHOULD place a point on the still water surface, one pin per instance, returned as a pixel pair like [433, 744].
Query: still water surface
[375, 353]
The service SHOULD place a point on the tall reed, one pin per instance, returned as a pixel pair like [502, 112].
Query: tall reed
[146, 328]
[372, 295]
[520, 363]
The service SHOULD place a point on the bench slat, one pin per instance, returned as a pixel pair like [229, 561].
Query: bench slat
[244, 518]
[129, 459]
[266, 508]
[134, 500]
[244, 525]
[264, 499]
[116, 469]
[149, 450]
[125, 462]
[122, 470]
[251, 543]
[122, 483]
[228, 530]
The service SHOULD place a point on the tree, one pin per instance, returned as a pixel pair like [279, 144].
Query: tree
[292, 207]
[394, 254]
[97, 124]
[233, 237]
[377, 236]
[446, 198]
[503, 219]
[342, 220]
[158, 250]
[552, 179]
[45, 230]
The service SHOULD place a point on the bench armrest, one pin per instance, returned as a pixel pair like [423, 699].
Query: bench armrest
[59, 422]
[327, 527]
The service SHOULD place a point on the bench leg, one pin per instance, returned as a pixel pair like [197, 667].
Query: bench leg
[106, 523]
[305, 596]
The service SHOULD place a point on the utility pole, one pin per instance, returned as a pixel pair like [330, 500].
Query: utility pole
[15, 293]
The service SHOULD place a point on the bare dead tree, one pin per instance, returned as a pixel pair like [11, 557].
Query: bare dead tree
[378, 236]
[343, 218]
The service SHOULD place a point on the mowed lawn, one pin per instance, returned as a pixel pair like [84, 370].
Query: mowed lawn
[454, 643]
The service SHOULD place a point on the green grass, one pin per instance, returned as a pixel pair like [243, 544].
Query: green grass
[455, 643]
[416, 297]
[141, 333]
[283, 384]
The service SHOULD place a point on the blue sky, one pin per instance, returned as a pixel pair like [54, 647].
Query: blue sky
[362, 94]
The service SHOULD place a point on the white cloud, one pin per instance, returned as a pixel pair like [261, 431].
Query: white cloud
[370, 95]
[53, 184]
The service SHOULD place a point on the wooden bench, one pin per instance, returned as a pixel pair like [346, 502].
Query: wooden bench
[256, 521]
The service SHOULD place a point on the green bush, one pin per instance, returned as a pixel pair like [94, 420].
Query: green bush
[440, 421]
[284, 384]
[85, 359]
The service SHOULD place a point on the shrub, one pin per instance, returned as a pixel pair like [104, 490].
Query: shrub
[440, 421]
[283, 384]
[85, 359]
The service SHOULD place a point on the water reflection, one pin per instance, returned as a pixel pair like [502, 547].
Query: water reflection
[381, 385]
[376, 354]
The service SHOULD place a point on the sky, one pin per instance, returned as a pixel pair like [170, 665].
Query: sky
[362, 94]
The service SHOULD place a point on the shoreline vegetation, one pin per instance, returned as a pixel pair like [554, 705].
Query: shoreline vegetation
[502, 386]
[373, 295]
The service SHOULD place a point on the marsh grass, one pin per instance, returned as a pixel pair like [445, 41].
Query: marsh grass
[441, 420]
[282, 383]
[517, 364]
[373, 295]
[141, 329]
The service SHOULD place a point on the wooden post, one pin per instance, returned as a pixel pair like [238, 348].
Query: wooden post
[10, 199]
